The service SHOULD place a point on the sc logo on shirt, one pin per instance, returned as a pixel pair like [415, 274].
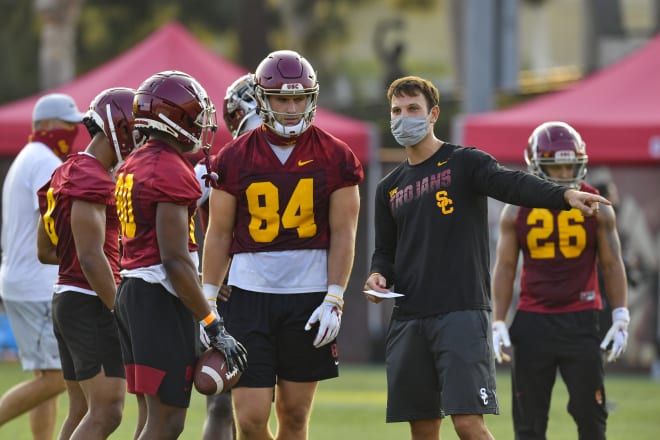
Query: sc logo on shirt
[444, 202]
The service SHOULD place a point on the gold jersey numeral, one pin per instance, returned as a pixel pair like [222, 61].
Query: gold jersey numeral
[572, 237]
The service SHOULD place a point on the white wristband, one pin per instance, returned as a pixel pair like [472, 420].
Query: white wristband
[621, 313]
[335, 295]
[210, 293]
[336, 290]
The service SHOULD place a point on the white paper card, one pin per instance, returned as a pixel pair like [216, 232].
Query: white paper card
[383, 295]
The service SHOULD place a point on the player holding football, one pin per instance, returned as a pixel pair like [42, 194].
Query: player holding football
[160, 297]
[285, 210]
[556, 325]
[79, 230]
[239, 111]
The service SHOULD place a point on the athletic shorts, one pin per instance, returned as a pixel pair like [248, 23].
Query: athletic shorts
[272, 329]
[159, 338]
[87, 336]
[32, 325]
[545, 344]
[440, 365]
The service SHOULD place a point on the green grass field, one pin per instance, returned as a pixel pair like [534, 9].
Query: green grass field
[353, 407]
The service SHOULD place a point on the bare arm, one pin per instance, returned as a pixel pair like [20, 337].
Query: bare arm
[344, 210]
[172, 231]
[219, 235]
[88, 229]
[46, 250]
[610, 260]
[506, 262]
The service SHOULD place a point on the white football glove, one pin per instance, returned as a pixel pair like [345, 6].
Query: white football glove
[617, 334]
[500, 339]
[328, 315]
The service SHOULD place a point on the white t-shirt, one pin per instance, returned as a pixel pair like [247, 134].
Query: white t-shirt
[294, 271]
[22, 276]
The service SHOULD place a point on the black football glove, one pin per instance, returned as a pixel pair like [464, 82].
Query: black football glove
[235, 353]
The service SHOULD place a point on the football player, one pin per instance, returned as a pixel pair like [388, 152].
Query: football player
[79, 230]
[160, 297]
[284, 209]
[556, 324]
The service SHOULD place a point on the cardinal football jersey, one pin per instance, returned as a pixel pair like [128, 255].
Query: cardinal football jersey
[284, 206]
[154, 173]
[81, 177]
[559, 260]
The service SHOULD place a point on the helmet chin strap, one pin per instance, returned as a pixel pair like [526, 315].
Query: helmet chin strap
[113, 133]
[210, 177]
[178, 128]
[290, 130]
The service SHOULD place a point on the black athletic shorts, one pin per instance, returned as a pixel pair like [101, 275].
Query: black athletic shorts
[272, 329]
[545, 344]
[440, 365]
[87, 336]
[159, 338]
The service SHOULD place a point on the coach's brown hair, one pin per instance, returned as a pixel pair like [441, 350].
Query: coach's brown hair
[413, 85]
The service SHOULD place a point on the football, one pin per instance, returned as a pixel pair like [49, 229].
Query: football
[211, 375]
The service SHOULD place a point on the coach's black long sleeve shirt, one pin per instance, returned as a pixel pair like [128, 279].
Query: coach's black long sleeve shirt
[431, 227]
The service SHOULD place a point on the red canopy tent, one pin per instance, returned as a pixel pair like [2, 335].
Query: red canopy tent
[171, 47]
[616, 110]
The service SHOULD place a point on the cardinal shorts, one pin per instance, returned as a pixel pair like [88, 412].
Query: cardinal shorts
[440, 365]
[159, 339]
[87, 336]
[272, 329]
[32, 325]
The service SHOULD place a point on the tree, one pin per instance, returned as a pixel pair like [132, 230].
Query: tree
[57, 49]
[253, 27]
[18, 51]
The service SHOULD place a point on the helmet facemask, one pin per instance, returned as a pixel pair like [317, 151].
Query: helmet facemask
[270, 116]
[562, 157]
[175, 103]
[557, 143]
[285, 72]
[206, 121]
[240, 105]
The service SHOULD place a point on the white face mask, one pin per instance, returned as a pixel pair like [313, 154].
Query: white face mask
[409, 130]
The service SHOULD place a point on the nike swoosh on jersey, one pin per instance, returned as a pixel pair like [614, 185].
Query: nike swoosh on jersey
[302, 163]
[442, 163]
